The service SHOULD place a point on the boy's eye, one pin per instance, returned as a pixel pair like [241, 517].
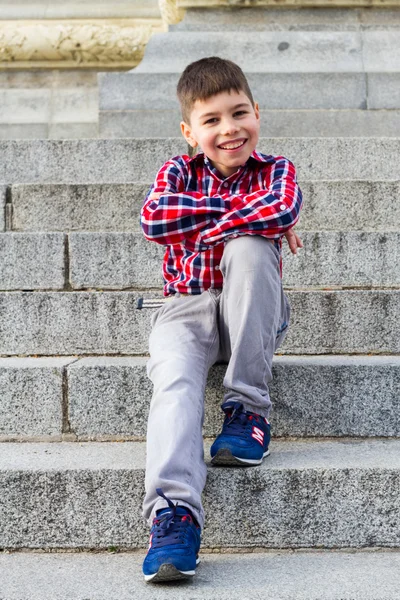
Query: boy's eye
[238, 113]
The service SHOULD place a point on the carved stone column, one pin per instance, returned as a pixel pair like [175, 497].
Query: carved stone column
[117, 44]
[71, 34]
[170, 12]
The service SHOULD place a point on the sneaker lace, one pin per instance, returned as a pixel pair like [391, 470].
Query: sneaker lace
[169, 528]
[236, 419]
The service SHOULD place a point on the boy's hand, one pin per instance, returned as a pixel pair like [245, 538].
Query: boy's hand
[293, 240]
[155, 196]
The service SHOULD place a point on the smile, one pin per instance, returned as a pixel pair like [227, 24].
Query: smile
[234, 145]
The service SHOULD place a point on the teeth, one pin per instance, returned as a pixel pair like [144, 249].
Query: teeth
[232, 146]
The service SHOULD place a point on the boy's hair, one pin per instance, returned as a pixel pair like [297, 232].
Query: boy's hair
[207, 77]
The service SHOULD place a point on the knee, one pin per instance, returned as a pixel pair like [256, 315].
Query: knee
[249, 253]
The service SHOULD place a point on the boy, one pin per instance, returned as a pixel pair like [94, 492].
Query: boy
[221, 216]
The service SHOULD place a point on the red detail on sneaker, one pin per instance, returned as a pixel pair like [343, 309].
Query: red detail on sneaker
[187, 518]
[258, 435]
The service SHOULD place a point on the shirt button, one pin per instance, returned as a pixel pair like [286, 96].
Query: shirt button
[217, 268]
[226, 184]
[282, 207]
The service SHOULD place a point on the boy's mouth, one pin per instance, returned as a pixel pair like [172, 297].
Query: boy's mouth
[233, 145]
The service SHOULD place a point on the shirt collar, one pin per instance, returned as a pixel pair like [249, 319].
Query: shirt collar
[254, 156]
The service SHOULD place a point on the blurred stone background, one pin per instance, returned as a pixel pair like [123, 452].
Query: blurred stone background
[51, 53]
[76, 69]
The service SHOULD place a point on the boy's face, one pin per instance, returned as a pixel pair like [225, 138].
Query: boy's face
[226, 127]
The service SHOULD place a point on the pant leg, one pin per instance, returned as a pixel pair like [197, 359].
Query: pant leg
[183, 344]
[254, 316]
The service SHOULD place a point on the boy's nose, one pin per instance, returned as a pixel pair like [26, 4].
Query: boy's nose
[229, 127]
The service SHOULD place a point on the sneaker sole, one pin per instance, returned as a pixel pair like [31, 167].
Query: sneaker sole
[225, 457]
[168, 572]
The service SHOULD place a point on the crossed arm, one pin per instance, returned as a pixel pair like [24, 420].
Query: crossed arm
[171, 215]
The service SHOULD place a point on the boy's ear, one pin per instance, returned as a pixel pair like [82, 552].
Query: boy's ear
[187, 134]
[256, 110]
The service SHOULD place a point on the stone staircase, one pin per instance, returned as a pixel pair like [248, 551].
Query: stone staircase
[320, 519]
[75, 394]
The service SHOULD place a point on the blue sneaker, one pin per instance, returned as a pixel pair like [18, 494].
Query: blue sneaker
[174, 544]
[244, 438]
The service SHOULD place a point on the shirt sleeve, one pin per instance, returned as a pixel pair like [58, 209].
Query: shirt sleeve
[170, 214]
[269, 212]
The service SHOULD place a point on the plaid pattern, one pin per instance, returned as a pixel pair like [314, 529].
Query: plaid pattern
[192, 211]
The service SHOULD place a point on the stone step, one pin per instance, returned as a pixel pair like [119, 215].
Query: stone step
[116, 207]
[50, 103]
[307, 494]
[138, 160]
[277, 51]
[30, 261]
[127, 260]
[124, 260]
[65, 323]
[85, 161]
[283, 123]
[295, 18]
[47, 103]
[53, 131]
[107, 398]
[273, 91]
[281, 575]
[312, 396]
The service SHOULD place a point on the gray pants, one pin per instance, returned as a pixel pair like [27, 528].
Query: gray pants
[242, 325]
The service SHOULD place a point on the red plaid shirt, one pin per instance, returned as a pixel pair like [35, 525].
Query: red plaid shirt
[193, 210]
